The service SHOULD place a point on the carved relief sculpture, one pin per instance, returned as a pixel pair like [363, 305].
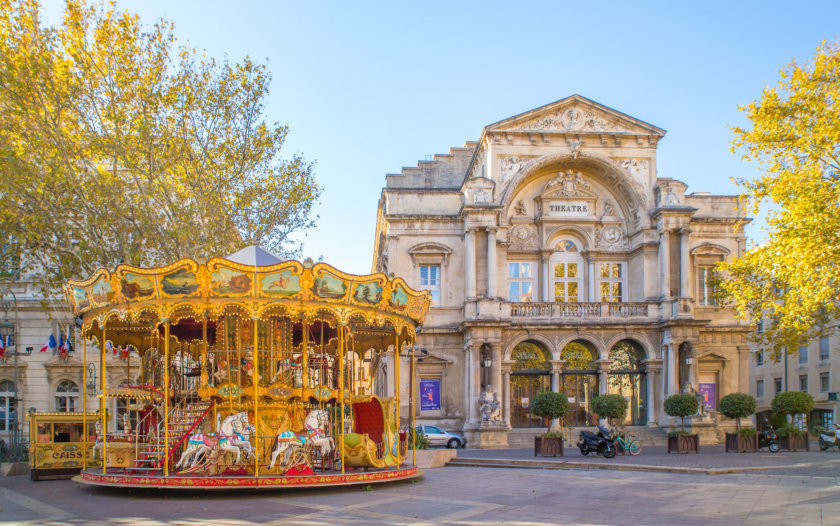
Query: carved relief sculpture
[523, 237]
[610, 237]
[637, 168]
[520, 208]
[575, 119]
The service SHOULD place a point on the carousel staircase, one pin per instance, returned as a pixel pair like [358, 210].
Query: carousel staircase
[183, 422]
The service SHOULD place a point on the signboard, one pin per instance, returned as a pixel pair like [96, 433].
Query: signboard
[707, 391]
[430, 394]
[567, 209]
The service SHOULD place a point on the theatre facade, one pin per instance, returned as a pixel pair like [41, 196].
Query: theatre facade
[559, 259]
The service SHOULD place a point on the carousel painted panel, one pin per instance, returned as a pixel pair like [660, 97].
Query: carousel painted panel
[229, 282]
[62, 455]
[137, 286]
[181, 283]
[327, 286]
[368, 292]
[399, 298]
[279, 284]
[102, 292]
[80, 298]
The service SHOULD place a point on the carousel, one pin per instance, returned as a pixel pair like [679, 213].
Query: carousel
[251, 372]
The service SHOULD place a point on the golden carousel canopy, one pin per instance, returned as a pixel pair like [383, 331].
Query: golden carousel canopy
[252, 280]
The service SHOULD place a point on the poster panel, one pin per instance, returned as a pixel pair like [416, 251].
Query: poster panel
[430, 394]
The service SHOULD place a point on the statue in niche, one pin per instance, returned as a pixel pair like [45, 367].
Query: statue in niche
[488, 405]
[520, 209]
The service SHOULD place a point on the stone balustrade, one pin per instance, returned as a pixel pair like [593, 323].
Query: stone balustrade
[580, 310]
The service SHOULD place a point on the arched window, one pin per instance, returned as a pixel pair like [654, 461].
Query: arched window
[567, 266]
[7, 405]
[66, 396]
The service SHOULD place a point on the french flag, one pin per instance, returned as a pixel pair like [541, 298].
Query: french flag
[3, 344]
[51, 344]
[62, 344]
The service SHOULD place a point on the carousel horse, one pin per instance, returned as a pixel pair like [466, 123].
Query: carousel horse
[316, 424]
[97, 445]
[229, 431]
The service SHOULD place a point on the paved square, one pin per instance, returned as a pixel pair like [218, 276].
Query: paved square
[451, 496]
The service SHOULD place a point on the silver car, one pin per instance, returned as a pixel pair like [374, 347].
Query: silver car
[439, 437]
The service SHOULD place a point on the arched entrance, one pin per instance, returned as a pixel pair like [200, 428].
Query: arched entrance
[579, 380]
[529, 375]
[628, 378]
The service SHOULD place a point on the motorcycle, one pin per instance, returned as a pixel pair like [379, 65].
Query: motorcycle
[769, 439]
[601, 443]
[830, 437]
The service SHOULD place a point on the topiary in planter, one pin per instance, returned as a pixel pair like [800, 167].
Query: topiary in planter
[792, 402]
[610, 406]
[681, 405]
[737, 406]
[550, 405]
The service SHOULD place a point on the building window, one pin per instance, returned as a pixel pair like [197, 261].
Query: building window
[705, 291]
[430, 280]
[520, 282]
[824, 348]
[803, 354]
[759, 388]
[759, 326]
[611, 282]
[7, 405]
[759, 357]
[803, 382]
[777, 385]
[66, 395]
[824, 382]
[567, 265]
[823, 418]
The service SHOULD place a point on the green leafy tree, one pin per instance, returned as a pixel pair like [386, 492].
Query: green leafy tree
[550, 405]
[737, 406]
[119, 145]
[681, 405]
[792, 403]
[610, 406]
[791, 279]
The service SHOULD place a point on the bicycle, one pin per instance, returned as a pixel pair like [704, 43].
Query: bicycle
[628, 443]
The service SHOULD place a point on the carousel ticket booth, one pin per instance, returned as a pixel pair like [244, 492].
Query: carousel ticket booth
[252, 375]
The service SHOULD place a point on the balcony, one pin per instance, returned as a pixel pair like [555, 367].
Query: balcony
[579, 310]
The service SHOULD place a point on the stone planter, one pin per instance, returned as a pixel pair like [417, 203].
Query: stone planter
[548, 446]
[741, 443]
[431, 458]
[795, 442]
[684, 444]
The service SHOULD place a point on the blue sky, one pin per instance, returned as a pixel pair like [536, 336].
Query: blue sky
[370, 87]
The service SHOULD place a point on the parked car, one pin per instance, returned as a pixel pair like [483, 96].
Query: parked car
[439, 437]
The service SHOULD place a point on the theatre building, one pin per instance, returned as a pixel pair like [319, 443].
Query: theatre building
[558, 258]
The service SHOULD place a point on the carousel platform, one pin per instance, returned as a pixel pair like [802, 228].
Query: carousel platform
[117, 479]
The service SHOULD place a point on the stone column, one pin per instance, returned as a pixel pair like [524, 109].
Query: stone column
[474, 384]
[469, 274]
[544, 297]
[467, 382]
[603, 375]
[491, 263]
[672, 371]
[506, 397]
[685, 268]
[653, 374]
[664, 265]
[496, 370]
[590, 266]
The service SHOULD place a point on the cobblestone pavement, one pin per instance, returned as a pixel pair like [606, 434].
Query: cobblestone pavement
[451, 496]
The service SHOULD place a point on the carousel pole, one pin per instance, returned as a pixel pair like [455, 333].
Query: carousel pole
[341, 353]
[397, 390]
[165, 397]
[255, 380]
[304, 354]
[413, 400]
[84, 402]
[102, 408]
[204, 363]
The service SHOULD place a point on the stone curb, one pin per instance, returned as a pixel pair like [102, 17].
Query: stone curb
[548, 464]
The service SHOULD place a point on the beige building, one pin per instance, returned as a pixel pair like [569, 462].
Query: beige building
[811, 370]
[559, 259]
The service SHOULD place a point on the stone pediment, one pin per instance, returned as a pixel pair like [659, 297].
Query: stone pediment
[576, 115]
[478, 191]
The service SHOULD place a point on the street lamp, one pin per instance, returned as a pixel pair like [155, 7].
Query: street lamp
[8, 331]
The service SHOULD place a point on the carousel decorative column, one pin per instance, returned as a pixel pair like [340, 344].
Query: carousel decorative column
[165, 397]
[103, 422]
[84, 400]
[469, 240]
[342, 352]
[304, 353]
[491, 262]
[203, 362]
[255, 380]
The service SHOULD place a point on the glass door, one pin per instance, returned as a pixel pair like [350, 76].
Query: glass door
[523, 388]
[580, 388]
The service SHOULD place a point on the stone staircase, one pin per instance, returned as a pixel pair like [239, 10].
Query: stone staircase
[182, 421]
[523, 437]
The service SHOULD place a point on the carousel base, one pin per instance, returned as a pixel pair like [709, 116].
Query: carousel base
[119, 479]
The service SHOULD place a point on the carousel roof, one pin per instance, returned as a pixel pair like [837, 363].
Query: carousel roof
[254, 256]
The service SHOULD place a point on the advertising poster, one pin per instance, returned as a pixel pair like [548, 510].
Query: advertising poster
[430, 395]
[707, 391]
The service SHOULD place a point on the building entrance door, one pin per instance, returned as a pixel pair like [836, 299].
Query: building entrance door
[580, 389]
[523, 389]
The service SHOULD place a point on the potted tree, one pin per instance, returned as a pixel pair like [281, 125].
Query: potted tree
[549, 405]
[611, 406]
[793, 403]
[682, 405]
[738, 406]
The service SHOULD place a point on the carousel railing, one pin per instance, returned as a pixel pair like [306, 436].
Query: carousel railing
[179, 445]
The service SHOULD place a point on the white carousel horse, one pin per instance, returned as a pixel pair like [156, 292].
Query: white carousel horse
[229, 438]
[316, 424]
[97, 445]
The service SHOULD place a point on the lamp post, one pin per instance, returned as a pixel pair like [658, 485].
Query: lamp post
[8, 331]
